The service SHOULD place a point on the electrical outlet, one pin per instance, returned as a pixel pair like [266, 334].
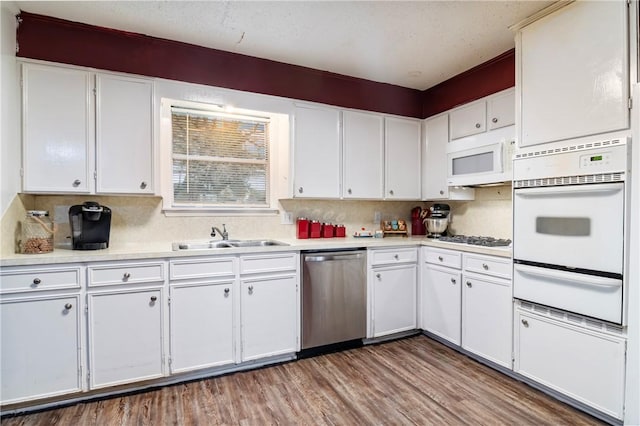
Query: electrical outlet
[286, 218]
[377, 217]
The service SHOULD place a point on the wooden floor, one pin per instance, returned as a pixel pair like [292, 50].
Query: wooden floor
[409, 381]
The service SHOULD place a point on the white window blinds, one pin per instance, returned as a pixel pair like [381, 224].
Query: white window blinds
[219, 159]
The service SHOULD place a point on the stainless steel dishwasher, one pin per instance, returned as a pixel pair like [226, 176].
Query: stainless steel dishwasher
[333, 297]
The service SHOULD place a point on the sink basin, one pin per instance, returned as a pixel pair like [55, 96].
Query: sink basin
[205, 245]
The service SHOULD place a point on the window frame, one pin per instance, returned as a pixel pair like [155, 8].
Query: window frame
[276, 140]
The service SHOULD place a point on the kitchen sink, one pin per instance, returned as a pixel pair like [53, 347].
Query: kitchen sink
[205, 245]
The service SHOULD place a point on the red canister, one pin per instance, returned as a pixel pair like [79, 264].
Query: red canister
[340, 231]
[316, 229]
[303, 228]
[327, 230]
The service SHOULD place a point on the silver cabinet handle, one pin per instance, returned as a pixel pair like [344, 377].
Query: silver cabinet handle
[494, 120]
[153, 299]
[453, 281]
[143, 185]
[477, 125]
[525, 322]
[440, 258]
[68, 306]
[396, 257]
[441, 192]
[391, 192]
[126, 276]
[36, 281]
[226, 292]
[349, 191]
[300, 190]
[469, 284]
[378, 276]
[485, 266]
[250, 289]
[77, 182]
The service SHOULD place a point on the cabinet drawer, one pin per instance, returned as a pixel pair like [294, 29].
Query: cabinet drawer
[201, 268]
[401, 255]
[488, 265]
[268, 263]
[130, 273]
[16, 280]
[451, 259]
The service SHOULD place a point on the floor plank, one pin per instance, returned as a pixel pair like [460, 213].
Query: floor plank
[413, 381]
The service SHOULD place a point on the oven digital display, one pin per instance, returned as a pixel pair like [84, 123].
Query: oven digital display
[596, 158]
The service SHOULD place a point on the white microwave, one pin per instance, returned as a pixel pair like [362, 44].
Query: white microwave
[481, 165]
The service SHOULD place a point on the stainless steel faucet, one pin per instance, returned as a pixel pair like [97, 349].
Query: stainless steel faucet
[224, 234]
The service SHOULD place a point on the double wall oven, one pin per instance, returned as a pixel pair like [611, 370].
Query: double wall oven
[569, 218]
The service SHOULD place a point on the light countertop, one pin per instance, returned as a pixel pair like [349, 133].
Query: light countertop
[156, 250]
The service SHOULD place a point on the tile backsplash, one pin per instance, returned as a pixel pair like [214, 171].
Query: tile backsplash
[140, 219]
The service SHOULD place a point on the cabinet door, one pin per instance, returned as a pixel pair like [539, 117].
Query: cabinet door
[402, 159]
[201, 326]
[316, 153]
[124, 135]
[434, 160]
[57, 129]
[40, 348]
[441, 304]
[501, 110]
[468, 120]
[565, 91]
[363, 155]
[394, 299]
[125, 337]
[268, 311]
[486, 318]
[586, 365]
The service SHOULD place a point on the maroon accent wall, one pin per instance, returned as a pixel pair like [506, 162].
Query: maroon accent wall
[492, 76]
[57, 40]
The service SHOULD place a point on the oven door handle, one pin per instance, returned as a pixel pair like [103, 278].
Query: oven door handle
[563, 190]
[569, 276]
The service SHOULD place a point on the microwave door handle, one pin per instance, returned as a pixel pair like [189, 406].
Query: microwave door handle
[569, 276]
[537, 192]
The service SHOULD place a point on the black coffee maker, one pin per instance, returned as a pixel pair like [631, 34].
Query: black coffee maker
[90, 226]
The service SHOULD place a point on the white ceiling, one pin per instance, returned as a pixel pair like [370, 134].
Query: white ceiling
[415, 44]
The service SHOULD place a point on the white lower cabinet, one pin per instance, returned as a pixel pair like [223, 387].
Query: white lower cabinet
[126, 305]
[392, 278]
[585, 364]
[466, 300]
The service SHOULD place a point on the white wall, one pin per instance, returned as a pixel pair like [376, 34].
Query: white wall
[10, 109]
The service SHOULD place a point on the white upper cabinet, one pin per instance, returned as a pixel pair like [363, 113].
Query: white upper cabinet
[434, 160]
[469, 119]
[57, 129]
[363, 147]
[501, 110]
[317, 171]
[402, 159]
[124, 135]
[573, 73]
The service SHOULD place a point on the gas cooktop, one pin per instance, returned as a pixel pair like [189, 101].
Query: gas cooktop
[476, 241]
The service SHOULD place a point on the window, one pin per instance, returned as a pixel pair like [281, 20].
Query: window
[218, 160]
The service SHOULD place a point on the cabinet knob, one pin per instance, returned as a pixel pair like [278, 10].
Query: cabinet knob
[396, 257]
[391, 192]
[143, 185]
[477, 125]
[349, 191]
[126, 276]
[250, 289]
[485, 266]
[453, 281]
[68, 306]
[153, 299]
[441, 192]
[378, 276]
[440, 258]
[36, 281]
[525, 322]
[300, 190]
[226, 292]
[469, 284]
[77, 182]
[494, 120]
